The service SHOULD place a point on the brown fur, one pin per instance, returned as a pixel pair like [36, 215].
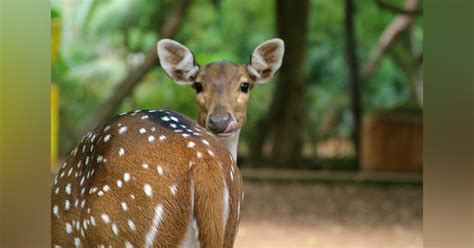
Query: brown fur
[221, 91]
[207, 173]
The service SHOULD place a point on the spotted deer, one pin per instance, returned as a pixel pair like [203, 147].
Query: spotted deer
[155, 178]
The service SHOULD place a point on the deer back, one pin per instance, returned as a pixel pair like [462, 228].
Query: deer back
[147, 178]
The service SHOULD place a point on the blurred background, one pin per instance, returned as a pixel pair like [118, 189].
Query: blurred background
[332, 152]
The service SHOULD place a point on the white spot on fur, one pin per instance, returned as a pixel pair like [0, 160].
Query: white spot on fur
[77, 242]
[84, 224]
[121, 151]
[68, 228]
[107, 137]
[131, 225]
[150, 236]
[151, 138]
[126, 176]
[105, 218]
[148, 190]
[160, 170]
[191, 238]
[162, 137]
[68, 189]
[124, 206]
[238, 210]
[142, 130]
[173, 189]
[226, 205]
[128, 244]
[115, 229]
[191, 144]
[122, 130]
[56, 210]
[211, 153]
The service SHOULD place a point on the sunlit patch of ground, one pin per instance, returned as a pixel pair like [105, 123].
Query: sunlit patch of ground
[319, 215]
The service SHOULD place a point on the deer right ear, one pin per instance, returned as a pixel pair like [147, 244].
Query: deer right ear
[177, 61]
[266, 60]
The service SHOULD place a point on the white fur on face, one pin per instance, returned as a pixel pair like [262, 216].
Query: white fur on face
[175, 57]
[264, 58]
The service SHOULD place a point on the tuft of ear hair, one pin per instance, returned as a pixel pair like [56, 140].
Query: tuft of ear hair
[177, 61]
[266, 59]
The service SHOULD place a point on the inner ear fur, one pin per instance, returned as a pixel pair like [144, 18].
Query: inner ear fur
[177, 61]
[266, 59]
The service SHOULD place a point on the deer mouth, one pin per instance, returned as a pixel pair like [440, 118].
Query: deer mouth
[232, 127]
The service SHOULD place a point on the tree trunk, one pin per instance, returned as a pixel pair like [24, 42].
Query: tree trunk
[353, 75]
[286, 115]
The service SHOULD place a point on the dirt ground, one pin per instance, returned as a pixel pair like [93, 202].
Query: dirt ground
[321, 215]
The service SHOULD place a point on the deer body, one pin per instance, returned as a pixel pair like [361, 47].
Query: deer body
[155, 178]
[143, 176]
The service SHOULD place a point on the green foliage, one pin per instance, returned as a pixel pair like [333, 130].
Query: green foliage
[55, 13]
[102, 40]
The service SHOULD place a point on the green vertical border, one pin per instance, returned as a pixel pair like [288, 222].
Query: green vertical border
[24, 122]
[448, 123]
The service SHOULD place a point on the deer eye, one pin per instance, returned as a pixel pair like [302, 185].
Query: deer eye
[244, 87]
[197, 86]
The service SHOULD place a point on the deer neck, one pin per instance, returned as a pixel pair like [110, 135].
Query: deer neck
[232, 143]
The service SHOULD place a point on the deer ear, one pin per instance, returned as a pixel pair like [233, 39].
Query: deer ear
[266, 60]
[177, 61]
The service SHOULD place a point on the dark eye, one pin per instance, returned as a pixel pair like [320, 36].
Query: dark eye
[197, 86]
[244, 87]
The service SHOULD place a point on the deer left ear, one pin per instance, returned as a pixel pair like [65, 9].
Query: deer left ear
[266, 60]
[177, 60]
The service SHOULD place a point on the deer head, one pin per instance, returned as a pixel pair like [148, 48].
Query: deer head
[222, 88]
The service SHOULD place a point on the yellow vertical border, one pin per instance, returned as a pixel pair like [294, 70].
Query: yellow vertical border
[54, 125]
[55, 32]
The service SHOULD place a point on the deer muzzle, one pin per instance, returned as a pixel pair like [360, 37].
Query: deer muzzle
[222, 124]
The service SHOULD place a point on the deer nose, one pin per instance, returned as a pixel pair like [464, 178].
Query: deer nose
[219, 122]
